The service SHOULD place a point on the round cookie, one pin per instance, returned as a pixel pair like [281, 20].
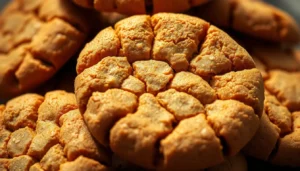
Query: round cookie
[47, 133]
[277, 139]
[252, 17]
[37, 38]
[169, 92]
[140, 6]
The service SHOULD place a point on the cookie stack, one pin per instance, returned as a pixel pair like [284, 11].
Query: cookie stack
[153, 90]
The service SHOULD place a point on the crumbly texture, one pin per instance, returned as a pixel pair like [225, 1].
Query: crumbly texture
[37, 38]
[255, 18]
[146, 93]
[53, 133]
[140, 6]
[277, 138]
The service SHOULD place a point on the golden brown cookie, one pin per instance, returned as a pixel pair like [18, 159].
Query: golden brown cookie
[169, 92]
[140, 6]
[277, 139]
[255, 18]
[37, 38]
[47, 133]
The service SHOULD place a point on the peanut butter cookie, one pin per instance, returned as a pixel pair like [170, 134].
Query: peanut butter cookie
[37, 38]
[255, 18]
[140, 6]
[47, 133]
[277, 139]
[169, 92]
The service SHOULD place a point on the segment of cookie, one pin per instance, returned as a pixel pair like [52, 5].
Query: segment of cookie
[121, 6]
[136, 37]
[278, 114]
[83, 163]
[56, 104]
[245, 86]
[108, 73]
[19, 141]
[36, 167]
[32, 68]
[53, 158]
[155, 74]
[47, 135]
[55, 39]
[54, 30]
[77, 140]
[220, 54]
[131, 7]
[105, 109]
[4, 138]
[29, 5]
[193, 142]
[20, 163]
[4, 164]
[65, 10]
[136, 135]
[278, 26]
[255, 18]
[285, 86]
[232, 121]
[277, 58]
[13, 34]
[177, 38]
[9, 81]
[170, 5]
[59, 134]
[266, 136]
[193, 85]
[180, 104]
[288, 147]
[134, 85]
[106, 43]
[20, 113]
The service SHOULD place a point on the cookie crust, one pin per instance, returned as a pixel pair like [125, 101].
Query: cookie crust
[157, 53]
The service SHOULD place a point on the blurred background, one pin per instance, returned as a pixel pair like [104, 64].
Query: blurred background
[291, 6]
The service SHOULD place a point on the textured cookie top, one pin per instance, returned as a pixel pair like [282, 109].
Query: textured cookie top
[37, 38]
[279, 132]
[255, 18]
[47, 133]
[168, 89]
[140, 6]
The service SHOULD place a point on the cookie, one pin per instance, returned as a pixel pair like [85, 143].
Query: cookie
[131, 7]
[255, 18]
[47, 133]
[169, 91]
[277, 139]
[37, 39]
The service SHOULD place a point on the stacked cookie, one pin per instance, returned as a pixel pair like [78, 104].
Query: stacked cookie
[161, 91]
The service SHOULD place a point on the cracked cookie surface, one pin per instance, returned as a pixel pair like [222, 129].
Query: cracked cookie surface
[47, 134]
[37, 39]
[277, 137]
[142, 96]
